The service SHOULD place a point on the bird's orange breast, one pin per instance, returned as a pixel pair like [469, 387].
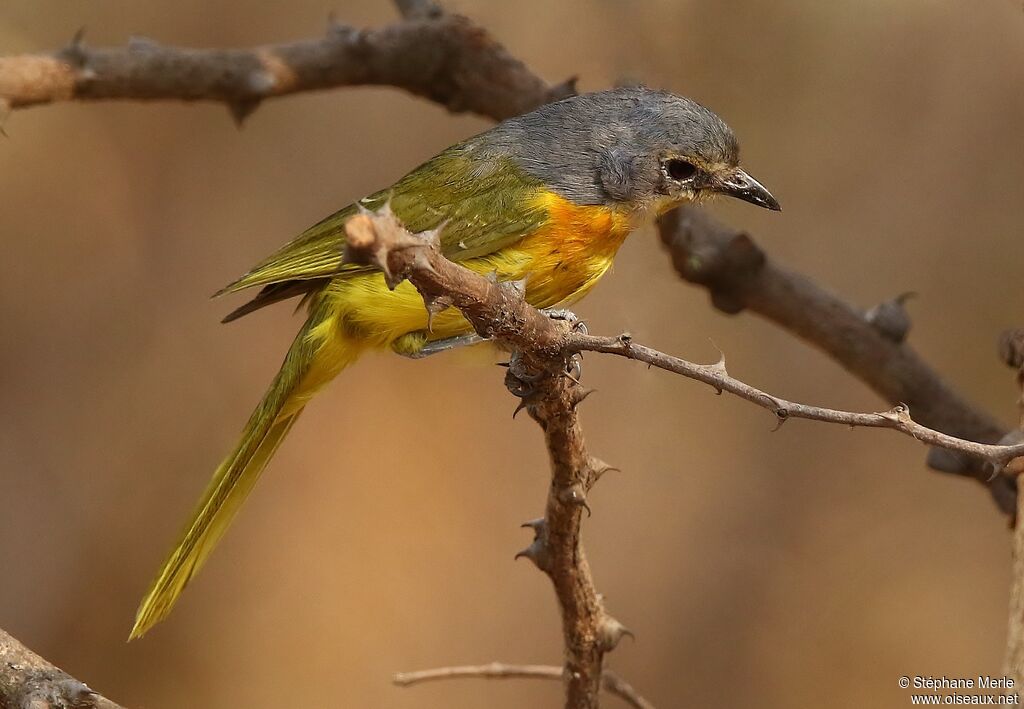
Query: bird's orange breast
[566, 256]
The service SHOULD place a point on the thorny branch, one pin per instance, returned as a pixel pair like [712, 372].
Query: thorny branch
[610, 682]
[450, 60]
[537, 375]
[498, 311]
[27, 681]
[870, 345]
[541, 348]
[898, 418]
[441, 56]
[1011, 350]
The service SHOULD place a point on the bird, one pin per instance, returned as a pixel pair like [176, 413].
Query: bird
[545, 199]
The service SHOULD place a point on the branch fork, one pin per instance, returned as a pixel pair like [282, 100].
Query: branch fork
[540, 348]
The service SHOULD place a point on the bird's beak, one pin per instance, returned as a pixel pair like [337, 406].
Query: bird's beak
[742, 186]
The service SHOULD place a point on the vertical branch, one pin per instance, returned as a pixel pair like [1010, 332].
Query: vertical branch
[589, 632]
[1011, 349]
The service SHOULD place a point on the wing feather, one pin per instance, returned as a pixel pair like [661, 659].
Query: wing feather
[484, 211]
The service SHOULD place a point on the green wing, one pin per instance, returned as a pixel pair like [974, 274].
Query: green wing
[483, 211]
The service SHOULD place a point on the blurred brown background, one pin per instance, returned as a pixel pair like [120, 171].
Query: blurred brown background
[808, 567]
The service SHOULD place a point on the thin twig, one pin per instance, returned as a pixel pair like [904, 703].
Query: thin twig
[440, 56]
[610, 682]
[740, 276]
[898, 418]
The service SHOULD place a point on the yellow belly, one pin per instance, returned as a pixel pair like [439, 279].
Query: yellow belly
[560, 263]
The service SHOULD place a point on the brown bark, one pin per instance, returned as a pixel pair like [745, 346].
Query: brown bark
[443, 57]
[537, 374]
[1011, 349]
[27, 681]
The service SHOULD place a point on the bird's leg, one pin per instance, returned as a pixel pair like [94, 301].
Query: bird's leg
[416, 346]
[561, 314]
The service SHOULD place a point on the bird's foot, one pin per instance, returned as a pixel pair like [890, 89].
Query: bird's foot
[574, 365]
[415, 345]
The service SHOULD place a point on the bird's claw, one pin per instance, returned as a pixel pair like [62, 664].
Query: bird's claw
[574, 365]
[520, 381]
[578, 325]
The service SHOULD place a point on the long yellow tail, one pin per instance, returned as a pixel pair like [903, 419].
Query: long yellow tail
[310, 363]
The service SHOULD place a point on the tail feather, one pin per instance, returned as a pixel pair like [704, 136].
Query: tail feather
[305, 369]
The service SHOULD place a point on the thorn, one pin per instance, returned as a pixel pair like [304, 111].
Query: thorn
[74, 53]
[598, 468]
[718, 366]
[519, 407]
[575, 496]
[241, 109]
[517, 287]
[781, 415]
[506, 365]
[433, 236]
[890, 318]
[537, 551]
[579, 395]
[435, 304]
[563, 89]
[611, 632]
[420, 259]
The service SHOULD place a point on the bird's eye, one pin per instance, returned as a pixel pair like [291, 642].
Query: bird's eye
[680, 169]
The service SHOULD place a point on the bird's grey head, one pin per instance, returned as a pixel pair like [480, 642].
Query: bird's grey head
[632, 146]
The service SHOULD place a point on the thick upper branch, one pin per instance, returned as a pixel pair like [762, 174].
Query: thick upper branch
[443, 57]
